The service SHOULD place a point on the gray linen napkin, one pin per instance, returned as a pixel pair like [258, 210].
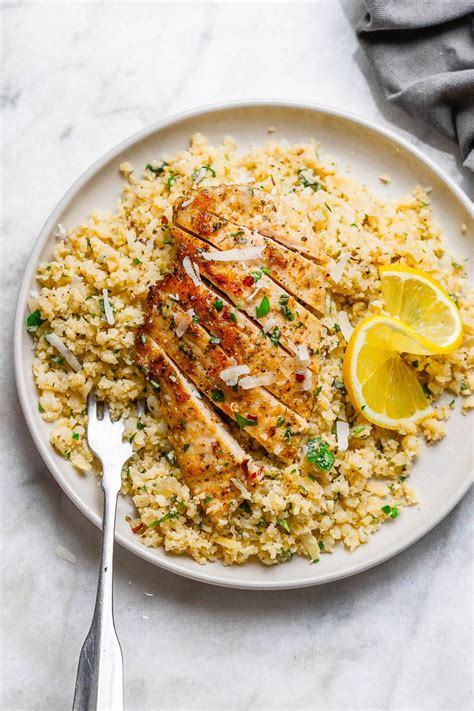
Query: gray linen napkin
[422, 53]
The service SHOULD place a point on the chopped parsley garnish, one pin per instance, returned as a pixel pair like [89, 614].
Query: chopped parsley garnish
[328, 207]
[339, 385]
[217, 395]
[244, 421]
[463, 387]
[263, 308]
[75, 436]
[140, 425]
[319, 453]
[136, 261]
[157, 170]
[415, 363]
[318, 390]
[186, 447]
[155, 385]
[308, 179]
[288, 434]
[245, 506]
[426, 390]
[34, 321]
[391, 511]
[337, 328]
[143, 338]
[196, 319]
[171, 180]
[207, 499]
[214, 340]
[321, 545]
[256, 275]
[283, 523]
[166, 517]
[58, 360]
[275, 335]
[358, 430]
[233, 317]
[40, 407]
[289, 315]
[237, 234]
[200, 173]
[280, 421]
[266, 270]
[218, 305]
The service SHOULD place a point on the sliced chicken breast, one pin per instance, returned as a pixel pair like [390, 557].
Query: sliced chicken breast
[210, 459]
[300, 276]
[239, 337]
[255, 209]
[266, 302]
[197, 354]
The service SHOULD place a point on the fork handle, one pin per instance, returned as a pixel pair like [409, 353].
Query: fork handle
[99, 681]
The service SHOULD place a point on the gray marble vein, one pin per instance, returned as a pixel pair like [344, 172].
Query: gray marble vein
[77, 77]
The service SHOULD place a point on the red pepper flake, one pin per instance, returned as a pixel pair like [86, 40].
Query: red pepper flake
[252, 417]
[255, 475]
[164, 220]
[245, 466]
[300, 377]
[248, 280]
[271, 431]
[138, 528]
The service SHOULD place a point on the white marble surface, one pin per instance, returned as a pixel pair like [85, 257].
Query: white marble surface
[78, 78]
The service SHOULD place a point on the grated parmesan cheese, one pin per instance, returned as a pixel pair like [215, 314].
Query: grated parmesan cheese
[109, 314]
[255, 381]
[192, 271]
[347, 328]
[231, 375]
[245, 254]
[342, 434]
[57, 343]
[336, 269]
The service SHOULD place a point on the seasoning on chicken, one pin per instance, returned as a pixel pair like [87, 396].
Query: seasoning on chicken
[289, 323]
[240, 338]
[216, 374]
[213, 463]
[300, 276]
[253, 208]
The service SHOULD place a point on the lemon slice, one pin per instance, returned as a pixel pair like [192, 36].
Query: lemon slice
[381, 386]
[423, 305]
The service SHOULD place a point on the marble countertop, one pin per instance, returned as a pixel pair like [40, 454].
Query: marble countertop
[78, 78]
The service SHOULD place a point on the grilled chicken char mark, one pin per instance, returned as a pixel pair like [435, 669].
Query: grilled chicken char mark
[200, 357]
[288, 323]
[239, 337]
[207, 454]
[255, 209]
[300, 276]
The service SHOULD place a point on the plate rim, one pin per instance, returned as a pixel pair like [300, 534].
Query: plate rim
[207, 573]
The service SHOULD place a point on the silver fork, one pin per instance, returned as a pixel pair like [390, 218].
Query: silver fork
[99, 681]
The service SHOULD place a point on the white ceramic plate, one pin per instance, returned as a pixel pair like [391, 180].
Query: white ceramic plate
[443, 473]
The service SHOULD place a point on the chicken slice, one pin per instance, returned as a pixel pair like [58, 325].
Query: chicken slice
[240, 338]
[298, 275]
[278, 313]
[210, 459]
[199, 355]
[255, 209]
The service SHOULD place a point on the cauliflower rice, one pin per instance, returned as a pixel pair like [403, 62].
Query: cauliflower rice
[92, 297]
